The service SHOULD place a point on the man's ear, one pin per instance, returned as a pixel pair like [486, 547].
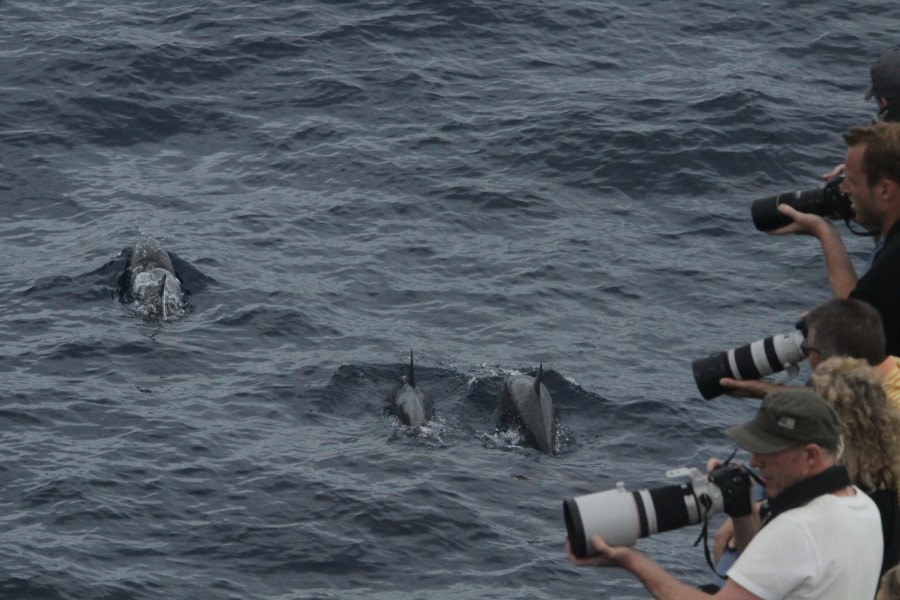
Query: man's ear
[813, 453]
[889, 188]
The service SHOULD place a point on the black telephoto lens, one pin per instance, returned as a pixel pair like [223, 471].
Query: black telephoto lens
[765, 210]
[826, 201]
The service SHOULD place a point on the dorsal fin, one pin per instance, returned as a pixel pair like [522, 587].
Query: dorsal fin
[537, 380]
[411, 376]
[161, 299]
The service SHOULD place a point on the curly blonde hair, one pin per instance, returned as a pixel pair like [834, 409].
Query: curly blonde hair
[871, 424]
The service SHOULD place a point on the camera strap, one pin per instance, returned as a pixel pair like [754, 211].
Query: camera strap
[830, 480]
[860, 233]
[706, 502]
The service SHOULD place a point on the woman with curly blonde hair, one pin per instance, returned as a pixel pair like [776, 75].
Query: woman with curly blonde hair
[871, 438]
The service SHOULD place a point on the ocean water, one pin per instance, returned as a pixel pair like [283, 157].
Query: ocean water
[494, 185]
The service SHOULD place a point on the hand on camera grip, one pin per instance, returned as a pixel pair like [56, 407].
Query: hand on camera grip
[734, 482]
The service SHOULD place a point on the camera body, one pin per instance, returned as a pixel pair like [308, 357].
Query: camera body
[824, 201]
[621, 517]
[751, 361]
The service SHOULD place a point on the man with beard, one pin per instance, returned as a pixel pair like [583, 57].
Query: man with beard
[872, 181]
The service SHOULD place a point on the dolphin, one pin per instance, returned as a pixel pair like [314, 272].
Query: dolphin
[409, 402]
[152, 282]
[526, 406]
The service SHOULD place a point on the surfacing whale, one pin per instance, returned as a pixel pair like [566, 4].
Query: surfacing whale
[152, 283]
[526, 407]
[408, 402]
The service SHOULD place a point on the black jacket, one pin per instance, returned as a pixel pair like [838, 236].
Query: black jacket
[880, 287]
[890, 113]
[886, 501]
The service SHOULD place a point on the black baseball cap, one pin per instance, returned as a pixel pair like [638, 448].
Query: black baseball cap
[886, 76]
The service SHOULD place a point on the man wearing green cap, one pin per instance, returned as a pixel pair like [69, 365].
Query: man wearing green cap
[821, 537]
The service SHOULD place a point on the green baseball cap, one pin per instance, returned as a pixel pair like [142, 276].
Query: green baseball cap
[787, 419]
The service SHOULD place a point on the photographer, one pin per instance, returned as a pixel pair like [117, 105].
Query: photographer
[838, 327]
[885, 89]
[872, 181]
[886, 86]
[821, 537]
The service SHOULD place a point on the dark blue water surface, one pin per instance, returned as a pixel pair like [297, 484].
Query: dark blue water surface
[494, 184]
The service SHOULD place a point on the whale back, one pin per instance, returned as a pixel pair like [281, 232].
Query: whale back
[153, 285]
[147, 254]
[526, 406]
[410, 403]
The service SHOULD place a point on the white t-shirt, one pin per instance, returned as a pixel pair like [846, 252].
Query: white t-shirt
[828, 549]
